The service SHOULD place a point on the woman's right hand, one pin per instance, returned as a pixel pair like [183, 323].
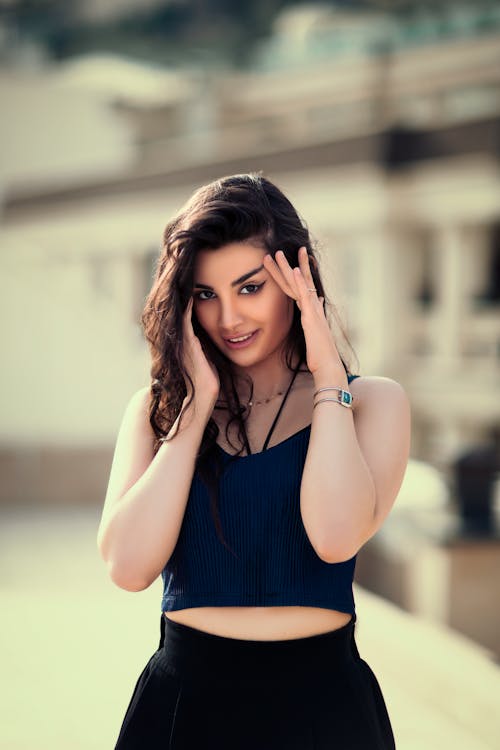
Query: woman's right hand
[202, 372]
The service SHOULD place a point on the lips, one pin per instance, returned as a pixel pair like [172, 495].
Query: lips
[239, 336]
[241, 344]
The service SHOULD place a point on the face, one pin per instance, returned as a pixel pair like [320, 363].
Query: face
[234, 296]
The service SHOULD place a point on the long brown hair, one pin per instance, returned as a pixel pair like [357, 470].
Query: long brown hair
[236, 208]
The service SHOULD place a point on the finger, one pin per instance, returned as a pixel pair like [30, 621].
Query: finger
[187, 313]
[189, 307]
[305, 267]
[188, 322]
[272, 267]
[305, 294]
[286, 271]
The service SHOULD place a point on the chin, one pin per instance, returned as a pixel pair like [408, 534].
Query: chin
[246, 358]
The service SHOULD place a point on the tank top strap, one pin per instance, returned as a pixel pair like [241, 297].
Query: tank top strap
[266, 442]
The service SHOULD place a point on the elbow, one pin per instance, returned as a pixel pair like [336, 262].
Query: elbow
[331, 549]
[125, 579]
[335, 553]
[121, 572]
[336, 556]
[124, 571]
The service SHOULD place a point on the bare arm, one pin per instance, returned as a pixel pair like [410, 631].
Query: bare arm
[355, 461]
[147, 496]
[355, 464]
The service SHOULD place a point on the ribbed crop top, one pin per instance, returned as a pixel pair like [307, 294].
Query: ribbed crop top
[275, 563]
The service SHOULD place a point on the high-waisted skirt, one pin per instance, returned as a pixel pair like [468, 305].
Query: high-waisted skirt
[201, 691]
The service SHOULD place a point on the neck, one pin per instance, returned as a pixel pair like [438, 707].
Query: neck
[268, 377]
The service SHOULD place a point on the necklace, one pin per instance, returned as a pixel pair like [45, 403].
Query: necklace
[266, 400]
[250, 403]
[269, 398]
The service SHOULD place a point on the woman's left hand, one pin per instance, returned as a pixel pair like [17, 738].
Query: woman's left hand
[322, 354]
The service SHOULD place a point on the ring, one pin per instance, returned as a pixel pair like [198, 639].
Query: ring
[311, 290]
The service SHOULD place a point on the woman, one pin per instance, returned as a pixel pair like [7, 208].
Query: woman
[249, 501]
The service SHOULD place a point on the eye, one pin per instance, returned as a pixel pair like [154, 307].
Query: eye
[256, 287]
[252, 289]
[204, 291]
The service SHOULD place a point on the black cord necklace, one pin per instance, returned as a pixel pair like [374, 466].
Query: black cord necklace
[266, 442]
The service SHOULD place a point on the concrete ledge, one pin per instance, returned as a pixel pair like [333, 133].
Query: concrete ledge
[421, 564]
[46, 476]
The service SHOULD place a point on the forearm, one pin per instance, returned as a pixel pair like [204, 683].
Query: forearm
[142, 530]
[337, 496]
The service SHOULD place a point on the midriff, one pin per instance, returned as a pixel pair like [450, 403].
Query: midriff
[261, 623]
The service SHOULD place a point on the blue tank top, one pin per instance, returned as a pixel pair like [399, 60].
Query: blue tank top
[273, 562]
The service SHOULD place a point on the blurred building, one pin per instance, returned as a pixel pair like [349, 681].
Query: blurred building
[386, 139]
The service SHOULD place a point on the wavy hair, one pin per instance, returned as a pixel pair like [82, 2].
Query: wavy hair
[236, 208]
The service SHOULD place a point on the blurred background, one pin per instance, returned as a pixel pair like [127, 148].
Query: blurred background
[381, 121]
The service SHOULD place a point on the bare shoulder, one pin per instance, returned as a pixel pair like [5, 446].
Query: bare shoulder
[368, 389]
[135, 419]
[140, 401]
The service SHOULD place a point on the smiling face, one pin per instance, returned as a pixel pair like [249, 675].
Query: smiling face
[234, 295]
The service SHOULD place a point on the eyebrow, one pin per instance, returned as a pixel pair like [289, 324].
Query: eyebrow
[233, 283]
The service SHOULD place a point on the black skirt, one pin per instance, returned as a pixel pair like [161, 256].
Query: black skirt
[204, 691]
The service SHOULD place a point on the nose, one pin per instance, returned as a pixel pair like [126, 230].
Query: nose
[230, 317]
